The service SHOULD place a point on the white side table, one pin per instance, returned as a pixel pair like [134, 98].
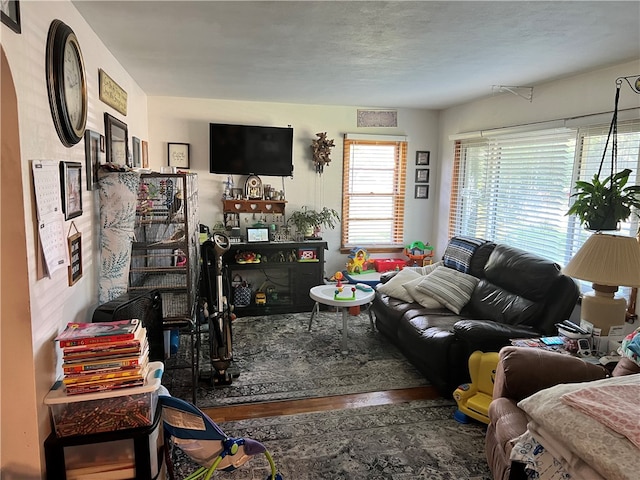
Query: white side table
[325, 294]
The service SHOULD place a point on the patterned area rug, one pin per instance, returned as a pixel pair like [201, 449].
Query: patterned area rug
[417, 440]
[278, 358]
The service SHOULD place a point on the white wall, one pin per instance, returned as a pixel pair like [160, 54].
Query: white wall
[53, 302]
[187, 120]
[587, 94]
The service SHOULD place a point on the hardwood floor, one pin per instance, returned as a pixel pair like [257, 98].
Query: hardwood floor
[319, 404]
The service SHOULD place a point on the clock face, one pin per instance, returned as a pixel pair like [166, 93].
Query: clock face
[73, 85]
[66, 83]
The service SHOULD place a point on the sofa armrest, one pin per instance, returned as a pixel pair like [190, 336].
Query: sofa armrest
[386, 276]
[490, 336]
[523, 371]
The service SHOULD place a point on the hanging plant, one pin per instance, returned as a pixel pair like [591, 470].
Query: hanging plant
[603, 204]
[321, 148]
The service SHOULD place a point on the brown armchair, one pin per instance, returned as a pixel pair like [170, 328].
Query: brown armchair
[521, 372]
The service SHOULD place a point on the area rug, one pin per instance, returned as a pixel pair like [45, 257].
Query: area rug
[278, 358]
[417, 440]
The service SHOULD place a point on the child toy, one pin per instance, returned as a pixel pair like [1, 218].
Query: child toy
[358, 260]
[340, 294]
[417, 253]
[473, 398]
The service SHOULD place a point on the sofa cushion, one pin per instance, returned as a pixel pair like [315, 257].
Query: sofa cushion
[450, 287]
[491, 302]
[394, 287]
[522, 273]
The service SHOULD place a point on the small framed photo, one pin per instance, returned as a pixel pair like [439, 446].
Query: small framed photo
[145, 154]
[70, 178]
[137, 160]
[422, 157]
[422, 191]
[94, 157]
[10, 13]
[178, 155]
[422, 175]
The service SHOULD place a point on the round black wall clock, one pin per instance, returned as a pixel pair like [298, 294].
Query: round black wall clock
[66, 83]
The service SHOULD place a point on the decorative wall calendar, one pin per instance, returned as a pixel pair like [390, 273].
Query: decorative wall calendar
[46, 181]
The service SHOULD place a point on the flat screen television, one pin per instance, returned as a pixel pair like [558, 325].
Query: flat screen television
[250, 150]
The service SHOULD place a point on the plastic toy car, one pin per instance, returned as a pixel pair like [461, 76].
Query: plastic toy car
[261, 298]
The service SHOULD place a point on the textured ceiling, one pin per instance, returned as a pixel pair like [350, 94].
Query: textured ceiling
[374, 54]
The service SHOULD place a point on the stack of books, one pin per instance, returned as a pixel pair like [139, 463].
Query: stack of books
[103, 356]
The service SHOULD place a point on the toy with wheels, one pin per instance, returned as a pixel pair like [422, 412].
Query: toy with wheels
[419, 254]
[473, 398]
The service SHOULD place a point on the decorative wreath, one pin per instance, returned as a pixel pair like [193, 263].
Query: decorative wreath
[321, 150]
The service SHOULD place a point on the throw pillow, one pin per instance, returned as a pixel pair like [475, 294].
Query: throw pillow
[427, 301]
[394, 287]
[426, 270]
[450, 287]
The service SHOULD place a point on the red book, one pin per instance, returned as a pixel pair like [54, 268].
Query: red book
[99, 332]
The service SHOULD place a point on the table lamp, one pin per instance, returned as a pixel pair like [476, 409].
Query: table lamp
[608, 261]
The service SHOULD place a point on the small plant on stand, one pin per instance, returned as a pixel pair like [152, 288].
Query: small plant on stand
[308, 222]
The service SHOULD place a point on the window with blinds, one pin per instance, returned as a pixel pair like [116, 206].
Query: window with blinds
[516, 188]
[373, 194]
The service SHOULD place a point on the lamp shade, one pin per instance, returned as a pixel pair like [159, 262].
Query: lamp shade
[610, 260]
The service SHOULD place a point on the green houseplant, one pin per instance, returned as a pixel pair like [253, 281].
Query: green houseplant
[602, 204]
[308, 221]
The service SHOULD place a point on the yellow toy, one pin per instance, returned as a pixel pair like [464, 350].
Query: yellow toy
[473, 398]
[358, 260]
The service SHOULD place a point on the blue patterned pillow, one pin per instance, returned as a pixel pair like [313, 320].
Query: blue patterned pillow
[459, 252]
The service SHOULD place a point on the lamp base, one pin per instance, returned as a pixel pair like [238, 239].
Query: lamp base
[603, 311]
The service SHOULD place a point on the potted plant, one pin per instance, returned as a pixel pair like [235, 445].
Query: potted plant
[602, 204]
[308, 221]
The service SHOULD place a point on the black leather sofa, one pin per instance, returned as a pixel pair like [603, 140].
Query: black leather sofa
[518, 295]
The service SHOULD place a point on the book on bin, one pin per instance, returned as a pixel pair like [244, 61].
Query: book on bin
[103, 356]
[99, 332]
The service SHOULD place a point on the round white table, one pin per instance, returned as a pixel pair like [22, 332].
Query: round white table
[325, 294]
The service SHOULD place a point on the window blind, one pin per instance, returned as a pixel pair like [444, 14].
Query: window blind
[516, 188]
[373, 193]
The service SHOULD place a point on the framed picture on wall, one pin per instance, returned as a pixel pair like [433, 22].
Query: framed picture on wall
[145, 153]
[117, 140]
[422, 157]
[137, 160]
[178, 155]
[422, 175]
[10, 13]
[70, 179]
[422, 191]
[94, 157]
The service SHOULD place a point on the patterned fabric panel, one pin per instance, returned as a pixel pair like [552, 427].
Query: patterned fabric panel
[118, 200]
[459, 252]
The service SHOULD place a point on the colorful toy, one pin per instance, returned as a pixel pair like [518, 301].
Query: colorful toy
[417, 253]
[473, 398]
[339, 293]
[247, 257]
[363, 287]
[358, 260]
[338, 277]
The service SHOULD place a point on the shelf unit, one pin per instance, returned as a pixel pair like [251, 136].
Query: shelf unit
[280, 270]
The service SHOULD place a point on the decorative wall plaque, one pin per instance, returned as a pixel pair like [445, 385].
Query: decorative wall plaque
[111, 93]
[377, 118]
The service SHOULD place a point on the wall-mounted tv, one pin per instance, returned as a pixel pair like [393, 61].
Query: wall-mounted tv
[250, 150]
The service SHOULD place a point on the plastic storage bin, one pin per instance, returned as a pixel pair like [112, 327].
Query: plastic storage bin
[105, 411]
[388, 264]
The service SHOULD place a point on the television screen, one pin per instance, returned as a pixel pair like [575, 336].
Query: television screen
[250, 150]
